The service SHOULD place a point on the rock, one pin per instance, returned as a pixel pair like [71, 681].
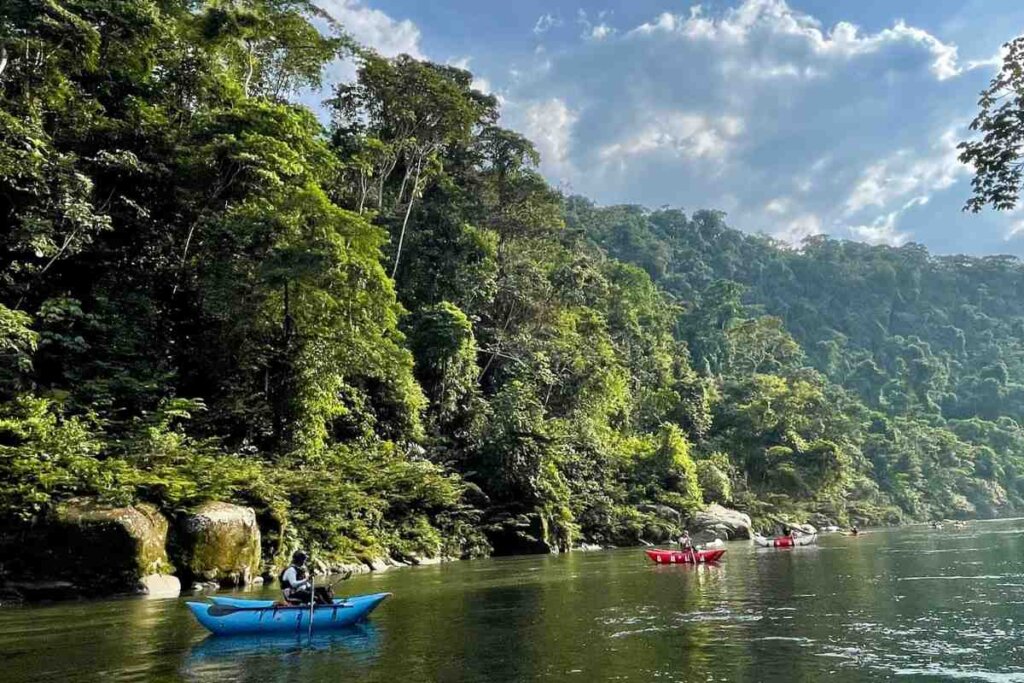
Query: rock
[257, 581]
[358, 568]
[820, 520]
[588, 547]
[220, 542]
[161, 586]
[525, 534]
[718, 522]
[803, 528]
[38, 591]
[378, 564]
[205, 586]
[85, 548]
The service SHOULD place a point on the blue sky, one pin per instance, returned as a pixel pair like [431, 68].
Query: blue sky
[796, 118]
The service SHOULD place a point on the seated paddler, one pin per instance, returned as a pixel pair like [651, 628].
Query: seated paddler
[295, 580]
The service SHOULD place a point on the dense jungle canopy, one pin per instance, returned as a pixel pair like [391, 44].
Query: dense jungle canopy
[383, 328]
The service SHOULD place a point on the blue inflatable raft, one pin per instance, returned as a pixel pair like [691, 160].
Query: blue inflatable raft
[228, 616]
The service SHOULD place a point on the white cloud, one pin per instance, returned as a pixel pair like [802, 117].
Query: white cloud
[591, 30]
[755, 20]
[809, 128]
[881, 231]
[374, 28]
[907, 175]
[370, 27]
[600, 31]
[678, 134]
[545, 23]
[798, 229]
[549, 124]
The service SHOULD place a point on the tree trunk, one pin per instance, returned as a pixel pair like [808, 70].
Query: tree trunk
[408, 212]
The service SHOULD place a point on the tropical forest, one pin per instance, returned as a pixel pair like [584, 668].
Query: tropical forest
[374, 322]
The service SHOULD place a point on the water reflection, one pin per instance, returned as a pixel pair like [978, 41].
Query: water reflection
[907, 604]
[343, 652]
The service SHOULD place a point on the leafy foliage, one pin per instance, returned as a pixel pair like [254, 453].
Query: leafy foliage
[390, 332]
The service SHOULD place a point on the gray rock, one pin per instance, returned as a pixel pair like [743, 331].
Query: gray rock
[160, 586]
[379, 564]
[718, 522]
[205, 587]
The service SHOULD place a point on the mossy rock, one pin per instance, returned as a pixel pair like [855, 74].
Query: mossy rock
[219, 542]
[523, 534]
[95, 548]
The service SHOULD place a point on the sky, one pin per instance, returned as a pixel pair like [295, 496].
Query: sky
[795, 118]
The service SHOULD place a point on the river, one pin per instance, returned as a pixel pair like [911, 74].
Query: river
[909, 604]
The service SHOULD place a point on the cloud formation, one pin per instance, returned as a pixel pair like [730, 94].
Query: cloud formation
[793, 127]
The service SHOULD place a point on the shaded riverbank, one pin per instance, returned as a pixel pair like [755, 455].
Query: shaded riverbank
[911, 602]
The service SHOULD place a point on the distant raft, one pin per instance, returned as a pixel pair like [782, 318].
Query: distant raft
[230, 616]
[684, 556]
[784, 541]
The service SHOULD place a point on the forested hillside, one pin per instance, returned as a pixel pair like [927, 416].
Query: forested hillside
[390, 335]
[928, 347]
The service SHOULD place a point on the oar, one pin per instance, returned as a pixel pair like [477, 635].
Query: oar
[346, 577]
[216, 610]
[312, 598]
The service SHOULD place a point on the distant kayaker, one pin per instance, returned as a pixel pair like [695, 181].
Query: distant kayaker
[295, 580]
[854, 531]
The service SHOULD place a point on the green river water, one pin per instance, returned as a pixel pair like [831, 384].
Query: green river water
[910, 604]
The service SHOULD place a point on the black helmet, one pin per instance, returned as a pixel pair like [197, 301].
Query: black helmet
[298, 558]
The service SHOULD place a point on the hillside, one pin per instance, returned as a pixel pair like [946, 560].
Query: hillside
[930, 346]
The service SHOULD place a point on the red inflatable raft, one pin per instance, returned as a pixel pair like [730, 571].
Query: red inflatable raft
[684, 556]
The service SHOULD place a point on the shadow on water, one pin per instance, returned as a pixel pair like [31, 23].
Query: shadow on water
[344, 651]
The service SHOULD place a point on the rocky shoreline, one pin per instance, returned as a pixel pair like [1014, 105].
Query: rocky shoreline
[89, 550]
[84, 549]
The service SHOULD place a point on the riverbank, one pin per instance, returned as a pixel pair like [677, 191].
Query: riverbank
[85, 549]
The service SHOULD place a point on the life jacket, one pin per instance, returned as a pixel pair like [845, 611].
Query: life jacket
[300, 575]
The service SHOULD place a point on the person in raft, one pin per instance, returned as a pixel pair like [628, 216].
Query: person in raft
[686, 543]
[295, 580]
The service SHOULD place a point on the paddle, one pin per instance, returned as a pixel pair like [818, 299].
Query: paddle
[216, 610]
[312, 598]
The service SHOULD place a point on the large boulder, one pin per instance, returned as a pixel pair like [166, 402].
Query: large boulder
[219, 542]
[85, 548]
[718, 522]
[523, 534]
